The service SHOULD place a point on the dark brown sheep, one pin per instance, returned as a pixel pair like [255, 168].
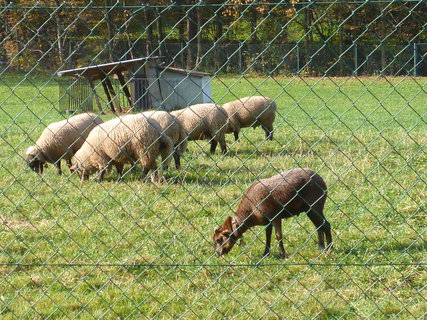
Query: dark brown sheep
[270, 200]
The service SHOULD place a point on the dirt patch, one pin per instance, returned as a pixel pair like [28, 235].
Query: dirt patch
[15, 223]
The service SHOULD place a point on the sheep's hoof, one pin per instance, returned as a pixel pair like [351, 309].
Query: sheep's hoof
[159, 179]
[328, 248]
[283, 255]
[266, 253]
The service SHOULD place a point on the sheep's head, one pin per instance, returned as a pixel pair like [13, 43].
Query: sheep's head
[35, 164]
[35, 160]
[232, 124]
[224, 238]
[81, 172]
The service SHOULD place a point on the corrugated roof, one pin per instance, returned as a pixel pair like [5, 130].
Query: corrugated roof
[101, 70]
[186, 72]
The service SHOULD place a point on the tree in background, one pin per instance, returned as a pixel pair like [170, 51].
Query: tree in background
[209, 35]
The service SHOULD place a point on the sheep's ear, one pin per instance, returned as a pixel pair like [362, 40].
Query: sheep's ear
[242, 242]
[73, 167]
[227, 225]
[41, 157]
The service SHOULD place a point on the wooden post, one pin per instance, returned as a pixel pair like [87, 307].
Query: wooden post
[125, 89]
[98, 102]
[113, 93]
[107, 93]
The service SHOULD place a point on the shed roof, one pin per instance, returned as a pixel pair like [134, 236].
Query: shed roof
[101, 70]
[186, 72]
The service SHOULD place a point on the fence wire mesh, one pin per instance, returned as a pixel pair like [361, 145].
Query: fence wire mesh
[349, 82]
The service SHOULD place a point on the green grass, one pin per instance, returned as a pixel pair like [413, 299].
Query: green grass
[86, 250]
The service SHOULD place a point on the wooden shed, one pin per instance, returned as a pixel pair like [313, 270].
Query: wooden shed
[137, 84]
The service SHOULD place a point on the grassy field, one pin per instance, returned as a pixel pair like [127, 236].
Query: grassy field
[131, 250]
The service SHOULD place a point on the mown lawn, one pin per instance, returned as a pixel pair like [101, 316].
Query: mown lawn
[132, 250]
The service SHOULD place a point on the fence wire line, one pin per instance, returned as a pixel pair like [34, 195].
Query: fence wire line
[233, 265]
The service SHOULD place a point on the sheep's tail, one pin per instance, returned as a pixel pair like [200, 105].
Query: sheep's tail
[273, 105]
[166, 150]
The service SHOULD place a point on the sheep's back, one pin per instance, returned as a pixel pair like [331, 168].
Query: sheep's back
[168, 123]
[250, 109]
[125, 139]
[297, 190]
[202, 120]
[69, 134]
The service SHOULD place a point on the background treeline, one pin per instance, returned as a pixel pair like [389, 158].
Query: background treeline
[282, 37]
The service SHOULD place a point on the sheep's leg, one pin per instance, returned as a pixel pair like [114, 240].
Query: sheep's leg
[144, 174]
[236, 135]
[58, 166]
[119, 168]
[268, 129]
[101, 174]
[69, 164]
[321, 239]
[222, 143]
[279, 236]
[268, 231]
[177, 158]
[323, 228]
[327, 231]
[214, 143]
[157, 178]
[40, 168]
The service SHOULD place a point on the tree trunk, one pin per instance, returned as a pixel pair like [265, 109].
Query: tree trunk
[383, 33]
[126, 33]
[199, 38]
[160, 35]
[253, 22]
[111, 33]
[340, 41]
[182, 41]
[191, 35]
[60, 42]
[218, 35]
[308, 38]
[149, 31]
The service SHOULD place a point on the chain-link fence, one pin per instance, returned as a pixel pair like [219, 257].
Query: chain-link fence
[343, 84]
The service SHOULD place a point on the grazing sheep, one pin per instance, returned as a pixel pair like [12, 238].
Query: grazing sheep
[251, 112]
[61, 140]
[123, 140]
[269, 200]
[204, 121]
[173, 128]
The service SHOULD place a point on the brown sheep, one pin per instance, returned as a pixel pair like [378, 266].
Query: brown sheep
[270, 200]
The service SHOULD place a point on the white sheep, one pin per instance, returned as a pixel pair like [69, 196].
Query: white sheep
[173, 128]
[61, 140]
[205, 121]
[127, 139]
[251, 112]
